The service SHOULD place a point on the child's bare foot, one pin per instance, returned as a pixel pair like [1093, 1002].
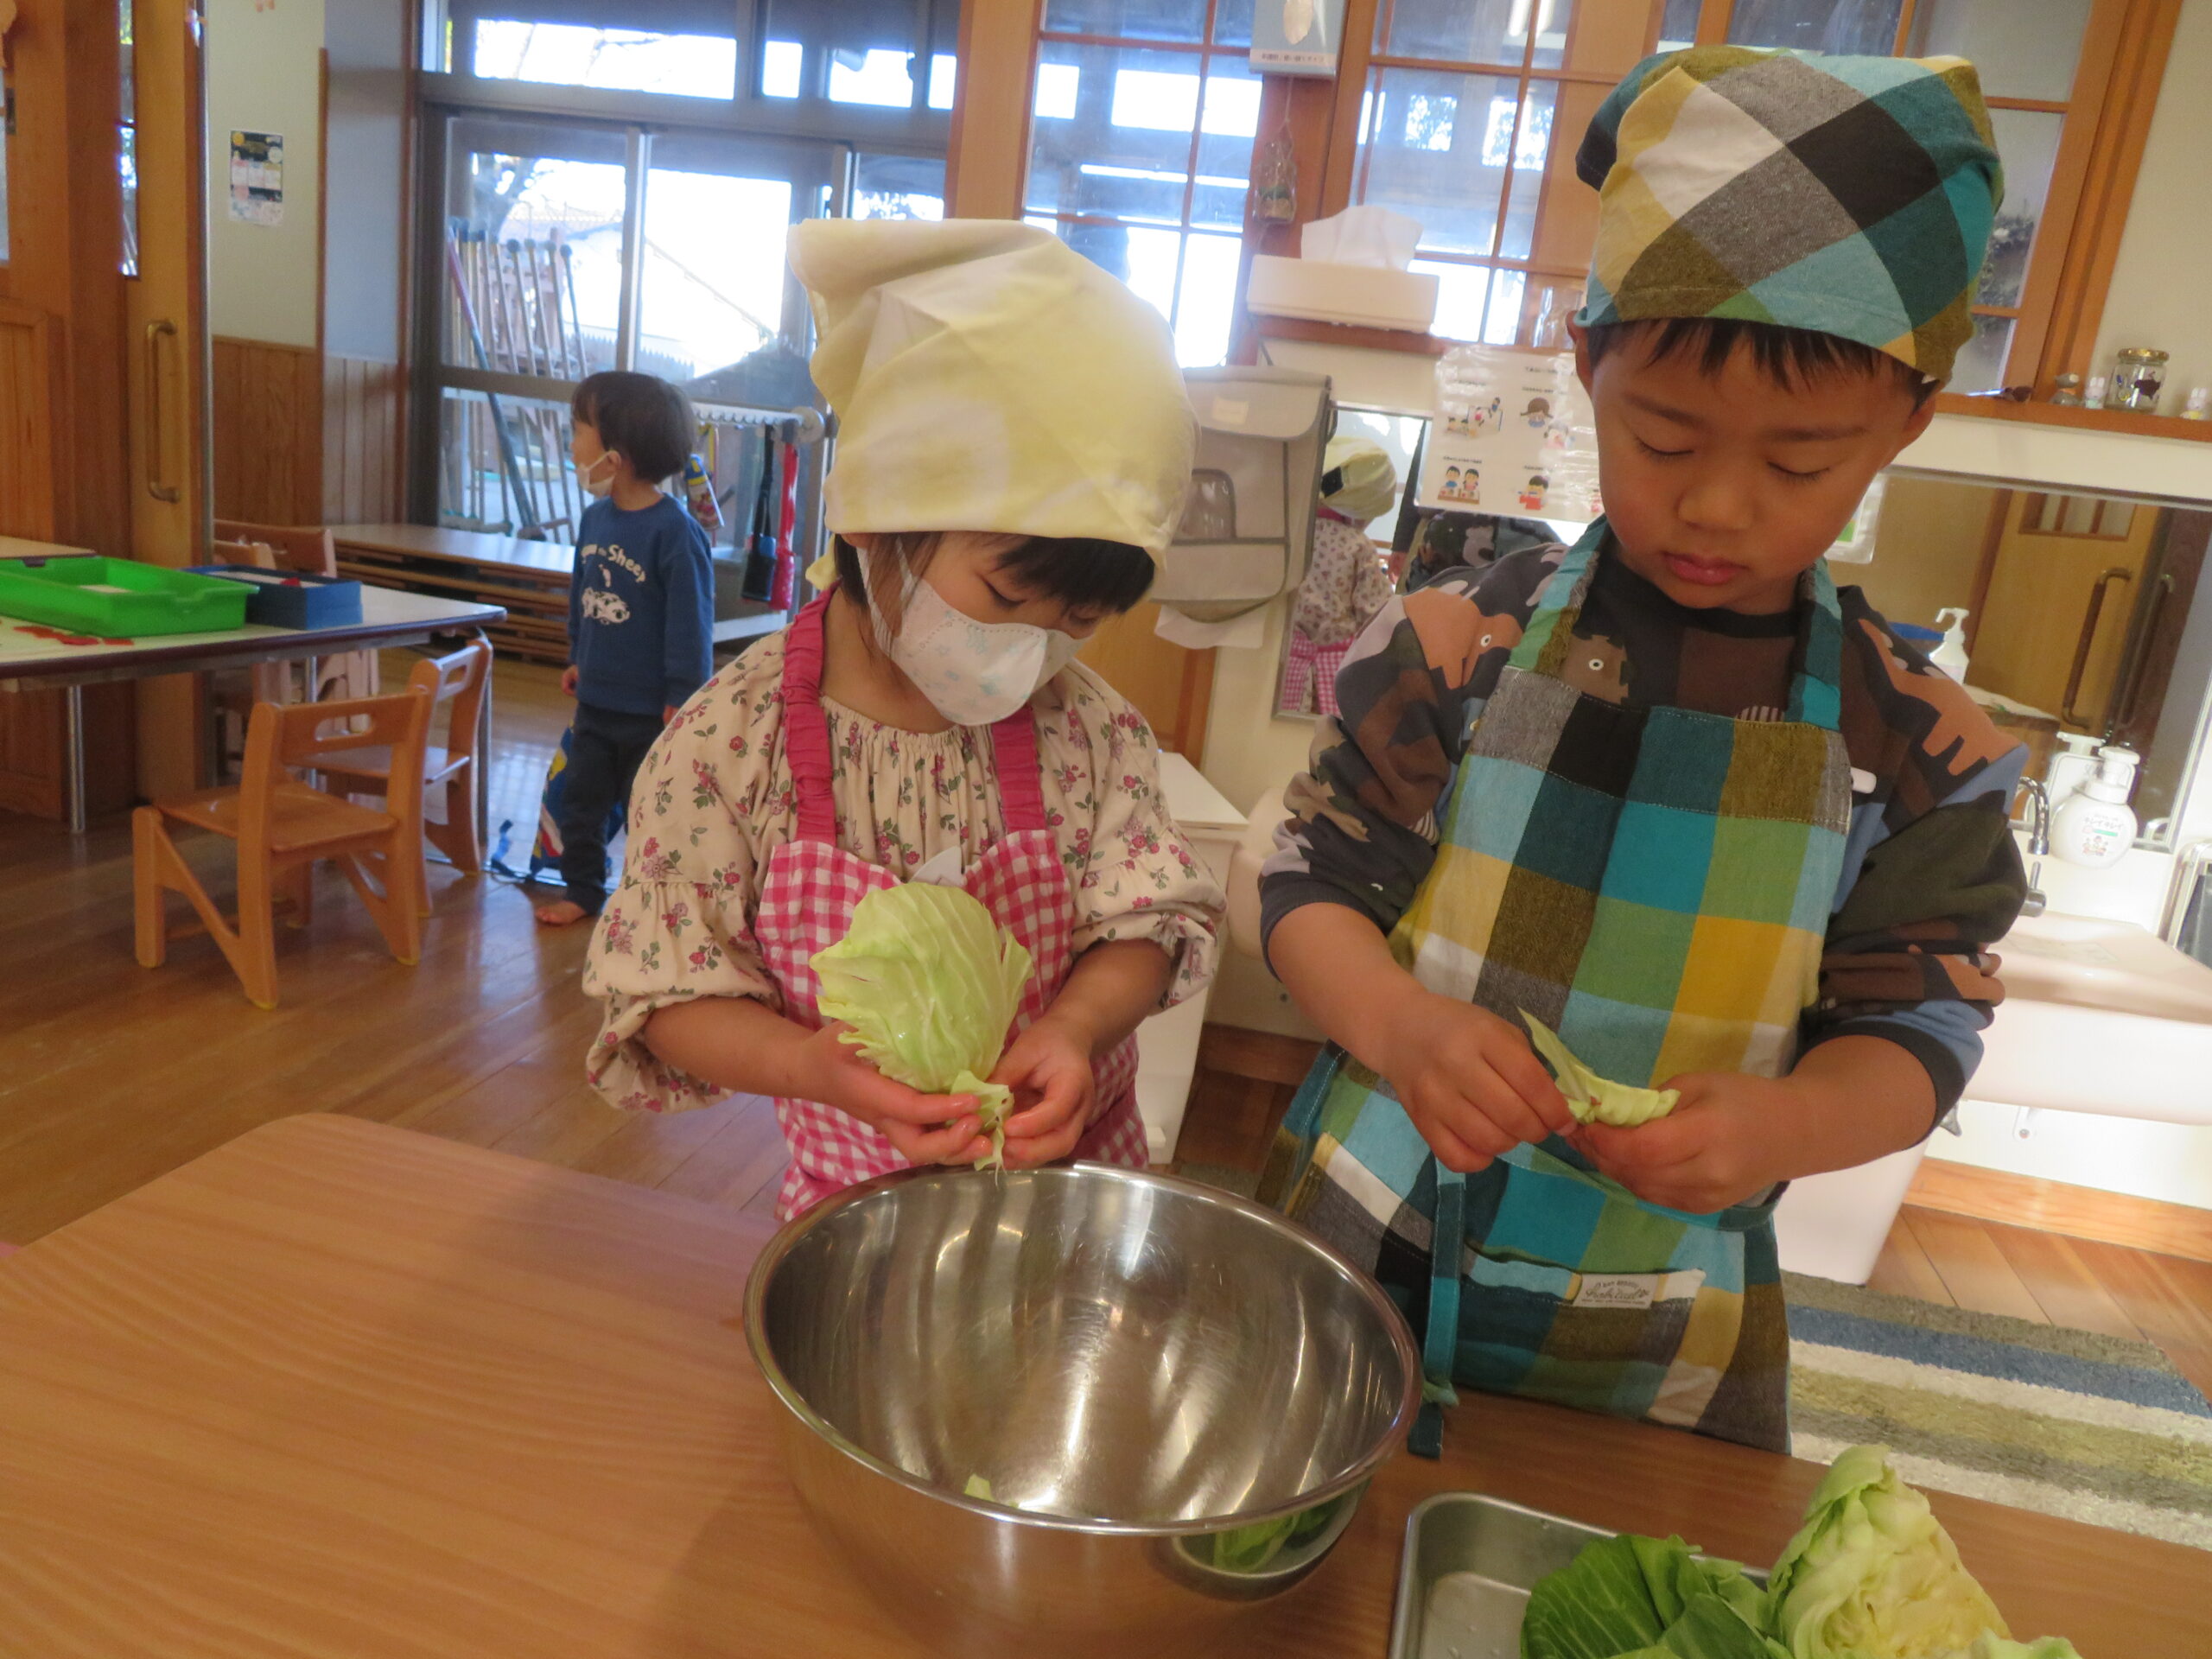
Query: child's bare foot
[561, 912]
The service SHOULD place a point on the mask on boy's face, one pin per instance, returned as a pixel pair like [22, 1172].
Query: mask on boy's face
[597, 484]
[973, 673]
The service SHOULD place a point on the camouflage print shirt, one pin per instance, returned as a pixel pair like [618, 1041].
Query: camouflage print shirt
[1931, 876]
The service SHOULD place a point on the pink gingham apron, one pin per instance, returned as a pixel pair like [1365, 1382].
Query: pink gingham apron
[1309, 675]
[807, 903]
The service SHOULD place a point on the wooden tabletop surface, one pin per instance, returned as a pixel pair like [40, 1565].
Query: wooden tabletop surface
[340, 1391]
[460, 546]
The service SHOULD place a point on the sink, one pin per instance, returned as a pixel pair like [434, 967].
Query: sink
[2100, 1016]
[2091, 963]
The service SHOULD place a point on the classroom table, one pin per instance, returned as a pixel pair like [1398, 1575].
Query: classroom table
[337, 1391]
[34, 659]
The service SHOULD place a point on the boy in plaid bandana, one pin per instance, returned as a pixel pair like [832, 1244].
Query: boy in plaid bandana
[1667, 790]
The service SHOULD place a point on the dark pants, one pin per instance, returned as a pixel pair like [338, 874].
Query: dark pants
[606, 747]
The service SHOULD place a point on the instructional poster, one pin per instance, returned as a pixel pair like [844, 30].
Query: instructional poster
[1296, 37]
[257, 177]
[1513, 435]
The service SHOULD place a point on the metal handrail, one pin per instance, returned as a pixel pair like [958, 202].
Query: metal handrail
[2191, 860]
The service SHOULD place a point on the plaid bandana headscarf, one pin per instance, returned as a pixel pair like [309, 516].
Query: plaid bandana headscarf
[1848, 196]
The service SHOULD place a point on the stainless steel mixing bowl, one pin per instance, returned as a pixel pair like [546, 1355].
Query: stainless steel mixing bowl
[1172, 1398]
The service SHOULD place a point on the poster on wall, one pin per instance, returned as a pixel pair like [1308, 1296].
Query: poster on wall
[257, 177]
[1296, 37]
[1513, 435]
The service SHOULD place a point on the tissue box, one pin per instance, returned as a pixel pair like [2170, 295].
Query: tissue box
[1331, 292]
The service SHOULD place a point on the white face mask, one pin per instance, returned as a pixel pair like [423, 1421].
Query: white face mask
[594, 485]
[973, 673]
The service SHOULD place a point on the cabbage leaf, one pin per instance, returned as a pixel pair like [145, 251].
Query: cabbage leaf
[1873, 1574]
[1591, 1097]
[1631, 1597]
[930, 984]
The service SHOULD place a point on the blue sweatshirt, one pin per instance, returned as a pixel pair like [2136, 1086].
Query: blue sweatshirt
[641, 608]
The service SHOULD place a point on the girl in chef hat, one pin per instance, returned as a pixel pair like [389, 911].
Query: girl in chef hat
[1013, 445]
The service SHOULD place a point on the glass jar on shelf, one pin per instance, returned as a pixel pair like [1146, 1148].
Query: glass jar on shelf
[2139, 378]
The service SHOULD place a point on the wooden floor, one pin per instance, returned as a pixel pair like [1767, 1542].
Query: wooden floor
[112, 1074]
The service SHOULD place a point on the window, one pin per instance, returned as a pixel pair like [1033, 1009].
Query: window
[1145, 116]
[127, 146]
[871, 53]
[1472, 110]
[619, 60]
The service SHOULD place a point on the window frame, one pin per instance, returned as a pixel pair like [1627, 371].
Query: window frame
[2048, 302]
[1204, 50]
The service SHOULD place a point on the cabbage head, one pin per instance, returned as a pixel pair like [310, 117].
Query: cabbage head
[930, 984]
[1873, 1575]
[1591, 1097]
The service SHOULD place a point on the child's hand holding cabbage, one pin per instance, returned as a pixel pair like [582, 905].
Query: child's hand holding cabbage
[928, 985]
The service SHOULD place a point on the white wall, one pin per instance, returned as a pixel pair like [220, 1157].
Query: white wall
[265, 74]
[365, 240]
[2162, 286]
[2171, 1162]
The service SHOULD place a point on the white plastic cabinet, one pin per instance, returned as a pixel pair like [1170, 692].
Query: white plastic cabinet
[1167, 1044]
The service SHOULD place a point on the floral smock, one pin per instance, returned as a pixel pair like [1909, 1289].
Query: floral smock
[714, 799]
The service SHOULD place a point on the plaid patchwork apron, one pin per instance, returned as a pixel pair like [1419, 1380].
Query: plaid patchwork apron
[1656, 884]
[807, 902]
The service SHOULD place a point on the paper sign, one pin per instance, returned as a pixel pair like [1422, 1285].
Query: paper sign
[1513, 434]
[1297, 37]
[257, 177]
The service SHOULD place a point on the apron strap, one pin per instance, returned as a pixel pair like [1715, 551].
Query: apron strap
[1013, 755]
[806, 728]
[1440, 1344]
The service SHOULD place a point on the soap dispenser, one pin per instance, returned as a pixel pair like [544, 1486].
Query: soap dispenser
[2096, 827]
[1951, 655]
[2068, 772]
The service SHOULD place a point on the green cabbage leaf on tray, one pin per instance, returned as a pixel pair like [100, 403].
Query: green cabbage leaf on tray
[1635, 1598]
[930, 984]
[1871, 1574]
[1592, 1098]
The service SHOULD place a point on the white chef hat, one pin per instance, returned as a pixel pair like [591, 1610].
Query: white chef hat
[987, 377]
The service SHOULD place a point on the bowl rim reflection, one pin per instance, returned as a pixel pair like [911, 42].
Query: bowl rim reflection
[1386, 1446]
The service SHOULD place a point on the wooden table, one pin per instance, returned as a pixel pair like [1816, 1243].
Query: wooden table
[529, 579]
[32, 657]
[340, 1391]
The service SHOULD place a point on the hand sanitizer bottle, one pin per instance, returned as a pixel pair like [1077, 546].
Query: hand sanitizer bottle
[2096, 827]
[1951, 655]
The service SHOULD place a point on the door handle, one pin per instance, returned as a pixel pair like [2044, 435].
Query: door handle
[2131, 704]
[2066, 712]
[155, 487]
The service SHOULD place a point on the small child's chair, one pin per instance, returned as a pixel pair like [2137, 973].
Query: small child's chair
[449, 773]
[282, 826]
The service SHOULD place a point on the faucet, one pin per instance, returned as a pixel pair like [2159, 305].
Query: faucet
[2039, 845]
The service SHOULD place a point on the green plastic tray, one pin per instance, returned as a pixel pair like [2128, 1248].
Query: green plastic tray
[118, 598]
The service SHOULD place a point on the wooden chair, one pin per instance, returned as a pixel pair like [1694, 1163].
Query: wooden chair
[310, 550]
[282, 826]
[449, 773]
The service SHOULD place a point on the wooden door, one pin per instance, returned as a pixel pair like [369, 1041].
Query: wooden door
[167, 357]
[2065, 585]
[1171, 687]
[62, 462]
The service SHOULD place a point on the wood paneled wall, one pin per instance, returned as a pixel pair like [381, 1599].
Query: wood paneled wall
[27, 406]
[268, 439]
[363, 442]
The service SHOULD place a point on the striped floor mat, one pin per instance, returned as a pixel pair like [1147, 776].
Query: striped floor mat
[2062, 1423]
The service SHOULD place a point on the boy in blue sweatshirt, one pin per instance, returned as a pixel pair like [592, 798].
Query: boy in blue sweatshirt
[640, 612]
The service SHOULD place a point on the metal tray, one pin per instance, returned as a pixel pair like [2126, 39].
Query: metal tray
[1469, 1565]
